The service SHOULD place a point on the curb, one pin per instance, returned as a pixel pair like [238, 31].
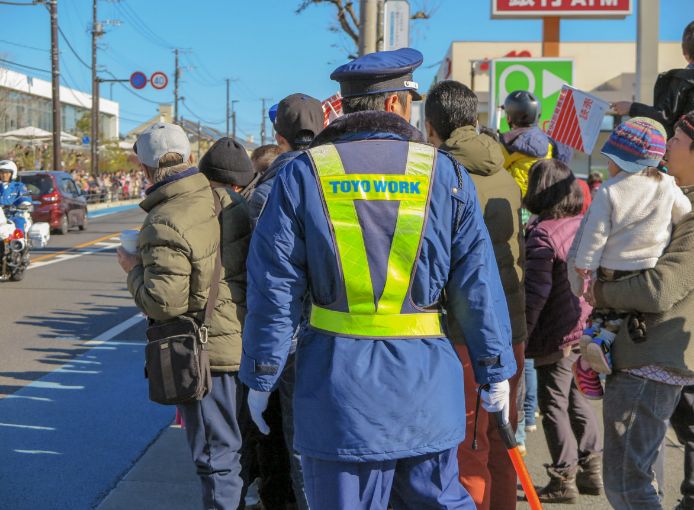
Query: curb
[97, 210]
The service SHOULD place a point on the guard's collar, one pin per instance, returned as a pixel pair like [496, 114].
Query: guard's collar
[361, 125]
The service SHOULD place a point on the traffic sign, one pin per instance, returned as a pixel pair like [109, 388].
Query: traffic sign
[159, 80]
[85, 140]
[543, 77]
[138, 80]
[396, 24]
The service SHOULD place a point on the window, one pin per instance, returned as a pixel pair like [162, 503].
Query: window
[37, 184]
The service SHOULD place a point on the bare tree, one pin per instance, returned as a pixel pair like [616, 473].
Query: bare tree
[348, 19]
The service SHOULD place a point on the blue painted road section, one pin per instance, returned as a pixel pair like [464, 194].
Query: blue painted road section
[68, 438]
[111, 210]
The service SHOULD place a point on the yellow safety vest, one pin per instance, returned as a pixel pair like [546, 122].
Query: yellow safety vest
[339, 191]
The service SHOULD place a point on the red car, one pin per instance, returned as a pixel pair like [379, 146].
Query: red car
[57, 200]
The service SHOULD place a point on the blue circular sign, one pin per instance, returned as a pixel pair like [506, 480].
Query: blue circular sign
[138, 80]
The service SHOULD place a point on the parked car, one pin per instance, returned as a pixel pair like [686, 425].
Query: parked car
[57, 200]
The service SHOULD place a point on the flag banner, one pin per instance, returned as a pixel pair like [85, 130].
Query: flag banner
[577, 119]
[332, 109]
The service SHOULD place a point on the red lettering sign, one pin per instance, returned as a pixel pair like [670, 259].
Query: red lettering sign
[563, 8]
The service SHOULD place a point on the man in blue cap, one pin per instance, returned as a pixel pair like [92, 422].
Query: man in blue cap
[385, 234]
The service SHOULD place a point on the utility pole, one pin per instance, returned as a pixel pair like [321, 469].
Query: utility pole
[368, 19]
[55, 85]
[233, 119]
[177, 74]
[262, 123]
[647, 15]
[227, 115]
[199, 133]
[380, 25]
[94, 146]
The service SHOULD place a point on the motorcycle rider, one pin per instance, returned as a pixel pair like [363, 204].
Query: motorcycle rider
[10, 188]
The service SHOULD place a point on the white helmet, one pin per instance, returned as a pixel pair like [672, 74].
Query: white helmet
[8, 166]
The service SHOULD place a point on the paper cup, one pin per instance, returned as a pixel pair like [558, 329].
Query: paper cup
[128, 240]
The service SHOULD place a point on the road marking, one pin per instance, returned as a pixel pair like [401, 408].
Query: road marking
[103, 243]
[77, 247]
[116, 330]
[38, 452]
[32, 427]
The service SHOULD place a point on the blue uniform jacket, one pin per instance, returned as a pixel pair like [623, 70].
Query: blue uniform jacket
[11, 191]
[257, 200]
[366, 400]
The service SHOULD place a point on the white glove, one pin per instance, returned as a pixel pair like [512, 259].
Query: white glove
[257, 404]
[497, 398]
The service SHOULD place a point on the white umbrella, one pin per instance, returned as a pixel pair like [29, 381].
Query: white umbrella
[67, 137]
[27, 133]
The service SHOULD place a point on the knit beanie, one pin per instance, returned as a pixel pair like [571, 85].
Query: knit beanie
[227, 162]
[636, 144]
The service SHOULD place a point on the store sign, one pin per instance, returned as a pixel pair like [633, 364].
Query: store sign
[396, 24]
[563, 8]
[542, 77]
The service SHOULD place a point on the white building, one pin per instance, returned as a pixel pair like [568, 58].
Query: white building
[26, 101]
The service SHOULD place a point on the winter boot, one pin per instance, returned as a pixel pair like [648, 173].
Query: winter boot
[589, 476]
[561, 487]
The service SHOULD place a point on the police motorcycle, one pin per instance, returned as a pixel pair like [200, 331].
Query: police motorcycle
[18, 233]
[15, 239]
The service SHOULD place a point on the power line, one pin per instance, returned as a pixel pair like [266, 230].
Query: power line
[24, 46]
[24, 66]
[141, 27]
[73, 49]
[23, 4]
[198, 117]
[70, 83]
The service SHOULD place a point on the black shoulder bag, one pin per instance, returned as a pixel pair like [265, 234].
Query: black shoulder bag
[177, 364]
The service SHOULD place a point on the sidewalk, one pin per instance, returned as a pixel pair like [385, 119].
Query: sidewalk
[164, 478]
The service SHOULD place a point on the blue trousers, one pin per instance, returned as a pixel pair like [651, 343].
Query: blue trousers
[635, 414]
[425, 482]
[214, 438]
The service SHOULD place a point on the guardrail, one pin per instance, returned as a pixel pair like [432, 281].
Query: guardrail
[105, 197]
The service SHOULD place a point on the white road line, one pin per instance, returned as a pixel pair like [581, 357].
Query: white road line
[116, 330]
[32, 427]
[70, 256]
[38, 452]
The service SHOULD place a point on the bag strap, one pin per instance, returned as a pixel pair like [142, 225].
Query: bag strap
[217, 273]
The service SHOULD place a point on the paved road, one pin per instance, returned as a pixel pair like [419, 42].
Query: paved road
[74, 417]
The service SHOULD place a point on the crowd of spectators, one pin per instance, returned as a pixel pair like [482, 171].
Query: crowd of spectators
[122, 185]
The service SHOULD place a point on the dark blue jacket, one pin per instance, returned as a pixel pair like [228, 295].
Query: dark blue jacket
[369, 400]
[257, 200]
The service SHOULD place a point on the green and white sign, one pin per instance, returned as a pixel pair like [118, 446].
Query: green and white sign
[543, 77]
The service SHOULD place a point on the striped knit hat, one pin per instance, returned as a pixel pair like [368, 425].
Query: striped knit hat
[636, 144]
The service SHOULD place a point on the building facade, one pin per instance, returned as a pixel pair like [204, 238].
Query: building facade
[26, 101]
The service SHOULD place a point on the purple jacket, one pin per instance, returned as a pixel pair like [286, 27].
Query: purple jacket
[554, 315]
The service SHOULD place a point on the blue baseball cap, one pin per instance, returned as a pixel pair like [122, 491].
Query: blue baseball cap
[383, 71]
[272, 112]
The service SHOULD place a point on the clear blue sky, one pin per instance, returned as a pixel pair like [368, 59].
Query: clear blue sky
[271, 51]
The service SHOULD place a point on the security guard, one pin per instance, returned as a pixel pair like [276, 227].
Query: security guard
[386, 236]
